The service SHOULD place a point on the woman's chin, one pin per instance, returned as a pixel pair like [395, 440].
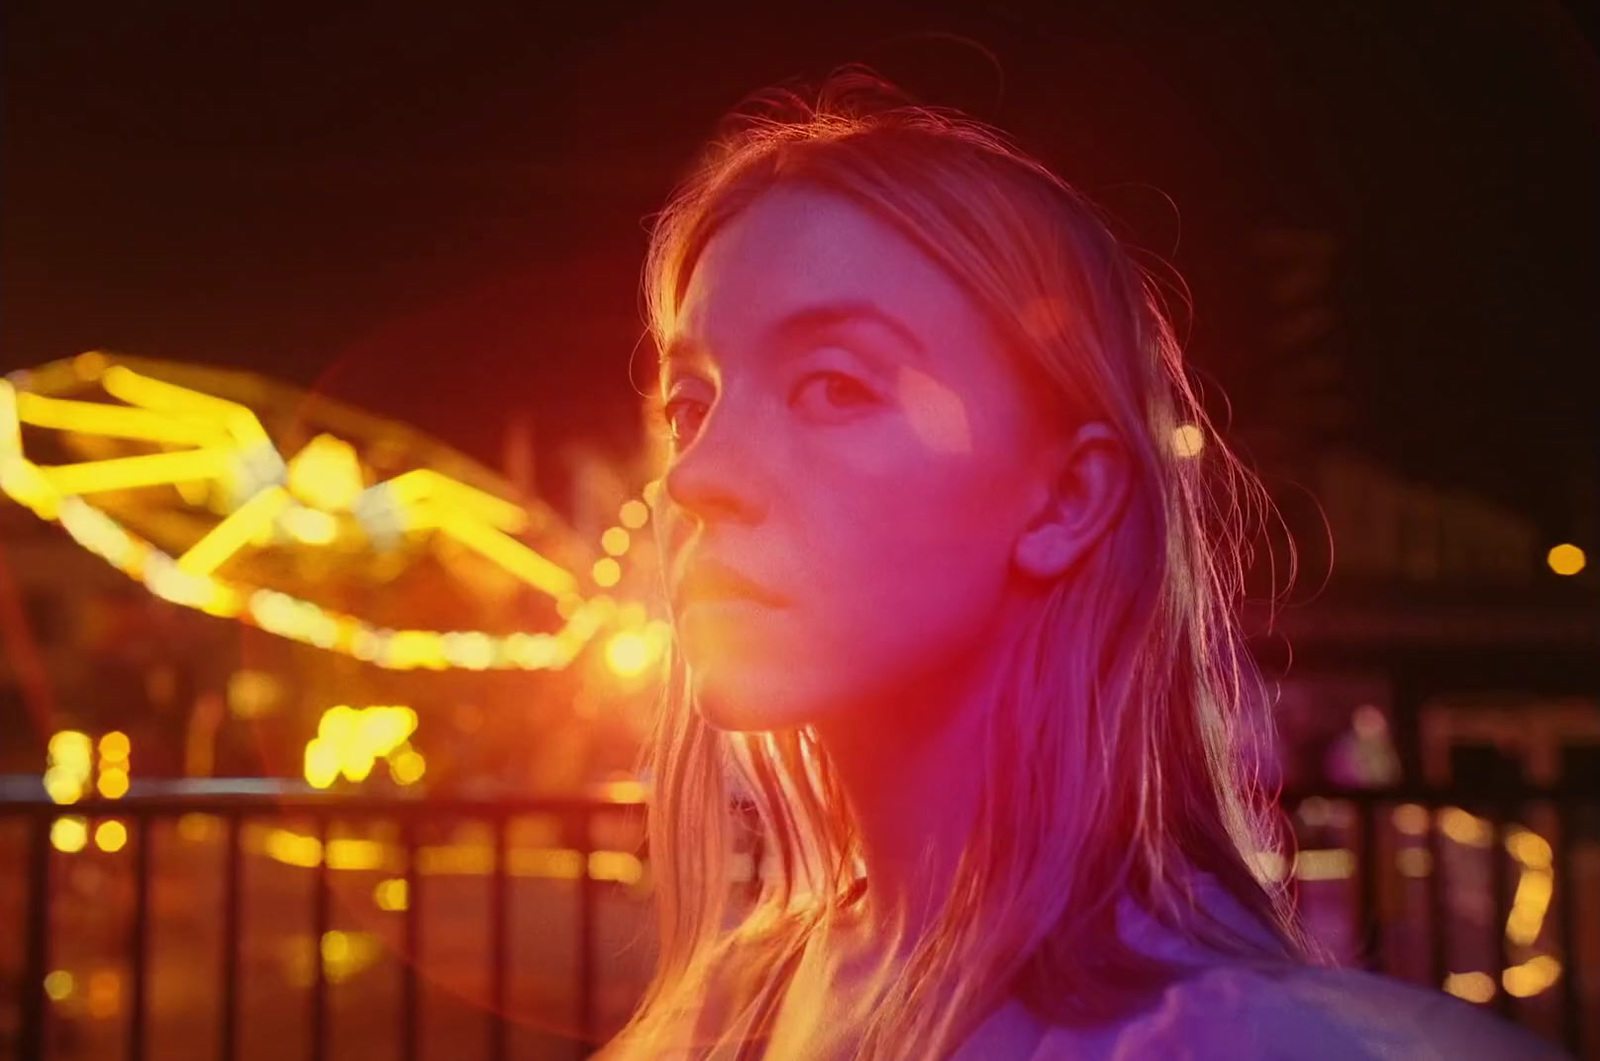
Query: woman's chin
[746, 705]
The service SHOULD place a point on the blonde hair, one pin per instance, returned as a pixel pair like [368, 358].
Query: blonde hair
[1129, 785]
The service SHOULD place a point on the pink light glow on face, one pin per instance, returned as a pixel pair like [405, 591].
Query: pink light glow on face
[854, 440]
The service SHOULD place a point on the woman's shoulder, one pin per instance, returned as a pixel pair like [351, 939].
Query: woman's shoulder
[1305, 1014]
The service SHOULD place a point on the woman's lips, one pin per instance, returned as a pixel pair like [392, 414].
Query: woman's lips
[708, 581]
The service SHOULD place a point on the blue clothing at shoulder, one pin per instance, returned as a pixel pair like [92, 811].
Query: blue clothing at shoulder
[1232, 1013]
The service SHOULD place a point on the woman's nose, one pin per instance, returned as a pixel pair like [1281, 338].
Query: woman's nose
[714, 480]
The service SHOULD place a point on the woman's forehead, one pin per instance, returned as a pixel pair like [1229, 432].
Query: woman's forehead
[798, 250]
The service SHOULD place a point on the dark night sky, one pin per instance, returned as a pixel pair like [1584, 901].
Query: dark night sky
[439, 212]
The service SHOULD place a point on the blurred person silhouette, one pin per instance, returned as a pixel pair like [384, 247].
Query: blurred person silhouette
[954, 599]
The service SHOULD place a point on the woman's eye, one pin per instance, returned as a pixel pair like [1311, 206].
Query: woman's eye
[682, 418]
[836, 389]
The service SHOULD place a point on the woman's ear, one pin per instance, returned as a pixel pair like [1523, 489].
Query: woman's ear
[1086, 486]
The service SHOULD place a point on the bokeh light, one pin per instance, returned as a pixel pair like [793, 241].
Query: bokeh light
[115, 746]
[634, 514]
[1567, 559]
[615, 541]
[627, 653]
[1188, 440]
[111, 836]
[69, 834]
[607, 572]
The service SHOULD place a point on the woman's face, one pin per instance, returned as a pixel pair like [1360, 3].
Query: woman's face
[852, 440]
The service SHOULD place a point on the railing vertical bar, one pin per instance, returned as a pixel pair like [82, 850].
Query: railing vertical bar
[587, 897]
[139, 959]
[410, 1018]
[1566, 927]
[36, 960]
[1500, 896]
[499, 928]
[319, 931]
[232, 867]
[1370, 934]
[1438, 914]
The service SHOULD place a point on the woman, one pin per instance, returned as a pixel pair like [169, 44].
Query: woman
[954, 603]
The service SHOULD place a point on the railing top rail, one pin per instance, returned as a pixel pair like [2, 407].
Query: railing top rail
[157, 802]
[254, 804]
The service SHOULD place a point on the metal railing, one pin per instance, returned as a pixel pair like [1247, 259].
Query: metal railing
[141, 813]
[1367, 818]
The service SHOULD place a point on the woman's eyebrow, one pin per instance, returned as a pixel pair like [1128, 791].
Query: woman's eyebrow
[810, 320]
[802, 324]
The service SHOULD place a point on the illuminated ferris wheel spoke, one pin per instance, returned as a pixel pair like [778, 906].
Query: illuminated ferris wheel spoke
[150, 393]
[149, 469]
[233, 533]
[117, 421]
[516, 558]
[10, 423]
[425, 485]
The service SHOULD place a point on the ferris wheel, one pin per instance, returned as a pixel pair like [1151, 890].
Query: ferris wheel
[246, 498]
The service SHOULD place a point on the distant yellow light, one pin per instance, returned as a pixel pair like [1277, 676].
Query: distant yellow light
[634, 514]
[391, 895]
[110, 836]
[1567, 559]
[115, 746]
[1529, 848]
[407, 767]
[607, 572]
[197, 828]
[339, 724]
[356, 762]
[1188, 440]
[1474, 987]
[293, 849]
[321, 762]
[69, 834]
[1414, 862]
[1334, 863]
[310, 526]
[113, 783]
[70, 747]
[1410, 819]
[618, 866]
[59, 985]
[416, 648]
[1465, 827]
[1529, 906]
[62, 786]
[627, 653]
[615, 541]
[105, 994]
[326, 474]
[469, 649]
[1531, 977]
[335, 946]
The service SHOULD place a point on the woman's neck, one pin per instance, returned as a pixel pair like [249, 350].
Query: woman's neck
[915, 786]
